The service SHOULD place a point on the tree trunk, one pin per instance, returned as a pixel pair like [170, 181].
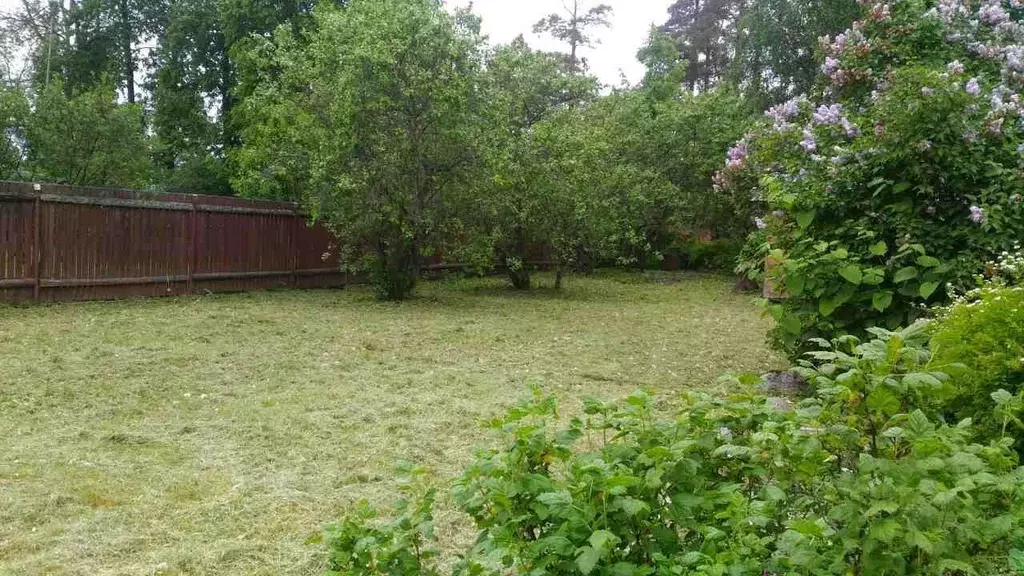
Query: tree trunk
[519, 277]
[558, 277]
[126, 51]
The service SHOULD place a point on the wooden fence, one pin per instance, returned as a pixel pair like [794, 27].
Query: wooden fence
[75, 243]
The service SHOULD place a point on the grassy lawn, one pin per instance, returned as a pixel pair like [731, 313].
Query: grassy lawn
[213, 435]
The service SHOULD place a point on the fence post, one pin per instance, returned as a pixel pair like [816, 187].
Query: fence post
[37, 250]
[296, 222]
[192, 250]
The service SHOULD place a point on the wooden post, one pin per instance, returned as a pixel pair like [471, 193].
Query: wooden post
[192, 251]
[37, 250]
[296, 222]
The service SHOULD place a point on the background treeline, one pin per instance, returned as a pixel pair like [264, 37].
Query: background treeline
[400, 124]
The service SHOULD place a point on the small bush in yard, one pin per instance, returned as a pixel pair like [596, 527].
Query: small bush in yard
[862, 478]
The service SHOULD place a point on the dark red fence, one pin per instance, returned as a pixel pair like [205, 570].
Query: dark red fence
[76, 243]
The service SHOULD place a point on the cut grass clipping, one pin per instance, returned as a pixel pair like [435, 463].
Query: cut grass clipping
[214, 435]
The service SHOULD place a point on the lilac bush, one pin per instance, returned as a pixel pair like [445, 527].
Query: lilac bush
[903, 172]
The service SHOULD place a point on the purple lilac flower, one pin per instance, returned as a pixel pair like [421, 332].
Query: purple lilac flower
[993, 13]
[784, 112]
[737, 155]
[759, 222]
[927, 91]
[830, 66]
[779, 213]
[955, 68]
[950, 9]
[809, 144]
[977, 215]
[1015, 58]
[995, 125]
[973, 87]
[1020, 148]
[828, 115]
[851, 129]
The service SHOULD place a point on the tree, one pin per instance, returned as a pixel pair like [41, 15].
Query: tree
[774, 52]
[764, 47]
[704, 31]
[379, 102]
[573, 29]
[14, 110]
[523, 89]
[87, 139]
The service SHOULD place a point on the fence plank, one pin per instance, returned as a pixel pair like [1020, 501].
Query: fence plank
[37, 254]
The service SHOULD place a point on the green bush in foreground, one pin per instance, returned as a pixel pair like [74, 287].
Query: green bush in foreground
[863, 478]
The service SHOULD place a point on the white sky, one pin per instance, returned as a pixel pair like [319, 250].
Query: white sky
[503, 20]
[631, 20]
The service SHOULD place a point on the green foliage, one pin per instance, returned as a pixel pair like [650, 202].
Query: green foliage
[895, 185]
[980, 342]
[362, 546]
[14, 110]
[375, 107]
[86, 139]
[862, 478]
[766, 48]
[515, 204]
[711, 255]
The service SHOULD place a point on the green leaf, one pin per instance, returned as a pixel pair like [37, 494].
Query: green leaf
[883, 400]
[901, 187]
[692, 557]
[852, 274]
[795, 284]
[920, 540]
[928, 288]
[1017, 560]
[928, 261]
[881, 301]
[804, 219]
[631, 506]
[806, 527]
[885, 530]
[791, 324]
[879, 249]
[603, 539]
[826, 306]
[905, 274]
[588, 560]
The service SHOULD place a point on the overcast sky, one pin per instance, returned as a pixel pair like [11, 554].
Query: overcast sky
[503, 20]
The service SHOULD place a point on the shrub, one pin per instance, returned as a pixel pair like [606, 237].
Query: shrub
[711, 255]
[980, 341]
[362, 547]
[863, 478]
[902, 174]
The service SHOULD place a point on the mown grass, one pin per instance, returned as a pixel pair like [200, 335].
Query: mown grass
[214, 435]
